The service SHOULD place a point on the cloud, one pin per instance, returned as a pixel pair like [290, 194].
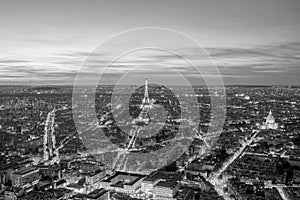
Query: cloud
[4, 61]
[250, 62]
[269, 71]
[266, 55]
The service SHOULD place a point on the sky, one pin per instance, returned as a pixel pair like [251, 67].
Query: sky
[250, 41]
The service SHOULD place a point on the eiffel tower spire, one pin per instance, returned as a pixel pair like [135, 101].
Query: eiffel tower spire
[146, 94]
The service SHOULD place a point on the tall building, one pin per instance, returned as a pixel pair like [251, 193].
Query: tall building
[270, 122]
[50, 151]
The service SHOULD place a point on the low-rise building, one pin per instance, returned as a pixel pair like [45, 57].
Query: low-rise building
[123, 182]
[25, 178]
[164, 185]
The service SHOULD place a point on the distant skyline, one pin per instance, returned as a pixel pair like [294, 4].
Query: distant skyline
[253, 42]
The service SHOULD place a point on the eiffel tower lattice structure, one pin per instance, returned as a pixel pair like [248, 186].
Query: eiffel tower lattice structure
[144, 116]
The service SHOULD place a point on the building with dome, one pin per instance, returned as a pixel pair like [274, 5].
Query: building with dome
[270, 122]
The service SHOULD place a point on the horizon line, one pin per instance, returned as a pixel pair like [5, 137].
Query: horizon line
[83, 85]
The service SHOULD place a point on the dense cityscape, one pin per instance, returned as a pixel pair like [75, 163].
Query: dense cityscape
[44, 155]
[150, 100]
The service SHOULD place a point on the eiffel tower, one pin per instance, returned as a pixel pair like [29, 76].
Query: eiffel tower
[144, 117]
